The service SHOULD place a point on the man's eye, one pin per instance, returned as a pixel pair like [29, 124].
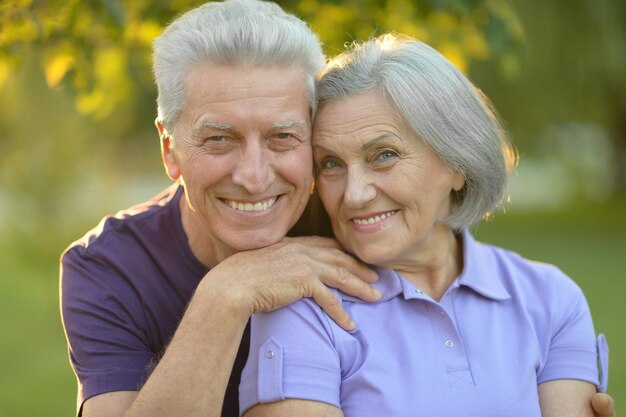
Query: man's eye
[284, 135]
[216, 139]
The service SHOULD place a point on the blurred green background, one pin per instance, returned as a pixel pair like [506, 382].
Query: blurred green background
[78, 142]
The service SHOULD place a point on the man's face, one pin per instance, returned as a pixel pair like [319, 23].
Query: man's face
[242, 149]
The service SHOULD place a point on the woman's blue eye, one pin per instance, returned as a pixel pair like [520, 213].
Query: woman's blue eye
[386, 155]
[329, 164]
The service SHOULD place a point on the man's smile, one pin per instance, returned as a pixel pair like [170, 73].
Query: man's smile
[251, 206]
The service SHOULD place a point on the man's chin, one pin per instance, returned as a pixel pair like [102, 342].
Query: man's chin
[255, 240]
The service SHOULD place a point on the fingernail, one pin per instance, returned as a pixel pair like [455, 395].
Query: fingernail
[377, 294]
[351, 325]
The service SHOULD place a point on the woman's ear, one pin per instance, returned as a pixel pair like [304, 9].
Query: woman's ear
[458, 181]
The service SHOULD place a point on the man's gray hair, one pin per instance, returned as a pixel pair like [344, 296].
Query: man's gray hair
[232, 32]
[440, 105]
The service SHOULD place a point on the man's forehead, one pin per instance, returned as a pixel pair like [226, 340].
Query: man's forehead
[246, 73]
[225, 98]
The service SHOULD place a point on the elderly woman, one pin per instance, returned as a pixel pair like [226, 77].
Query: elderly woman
[409, 155]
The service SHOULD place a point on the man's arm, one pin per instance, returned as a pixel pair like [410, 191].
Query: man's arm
[555, 398]
[109, 404]
[192, 376]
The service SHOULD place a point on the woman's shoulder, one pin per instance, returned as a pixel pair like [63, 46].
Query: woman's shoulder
[520, 274]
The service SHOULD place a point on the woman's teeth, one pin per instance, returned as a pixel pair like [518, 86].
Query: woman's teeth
[375, 219]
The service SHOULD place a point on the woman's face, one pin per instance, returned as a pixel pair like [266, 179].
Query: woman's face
[384, 189]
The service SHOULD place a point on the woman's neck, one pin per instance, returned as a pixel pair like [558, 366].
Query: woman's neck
[436, 263]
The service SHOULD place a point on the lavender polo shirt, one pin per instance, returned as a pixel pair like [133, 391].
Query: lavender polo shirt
[503, 327]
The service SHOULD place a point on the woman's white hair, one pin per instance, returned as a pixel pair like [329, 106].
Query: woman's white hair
[440, 105]
[232, 32]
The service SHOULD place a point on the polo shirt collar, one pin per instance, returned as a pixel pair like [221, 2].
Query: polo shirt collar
[390, 284]
[480, 273]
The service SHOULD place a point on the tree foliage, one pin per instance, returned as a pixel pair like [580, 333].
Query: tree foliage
[100, 49]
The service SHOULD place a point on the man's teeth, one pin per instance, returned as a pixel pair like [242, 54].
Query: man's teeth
[375, 219]
[260, 206]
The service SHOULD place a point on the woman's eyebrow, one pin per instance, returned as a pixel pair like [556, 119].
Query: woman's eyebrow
[365, 147]
[374, 142]
[322, 148]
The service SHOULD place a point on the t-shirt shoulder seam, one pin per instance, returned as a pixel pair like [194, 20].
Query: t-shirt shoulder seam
[117, 222]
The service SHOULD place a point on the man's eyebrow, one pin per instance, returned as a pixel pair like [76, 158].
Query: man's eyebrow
[226, 127]
[287, 124]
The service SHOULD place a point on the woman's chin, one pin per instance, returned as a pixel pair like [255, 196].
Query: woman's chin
[374, 255]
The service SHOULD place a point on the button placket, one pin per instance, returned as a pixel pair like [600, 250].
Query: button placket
[453, 353]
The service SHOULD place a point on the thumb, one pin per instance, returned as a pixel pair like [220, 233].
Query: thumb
[603, 405]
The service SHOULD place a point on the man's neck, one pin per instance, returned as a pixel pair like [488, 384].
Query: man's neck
[208, 251]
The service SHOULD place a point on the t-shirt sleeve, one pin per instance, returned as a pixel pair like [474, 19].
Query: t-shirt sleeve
[101, 317]
[572, 352]
[292, 355]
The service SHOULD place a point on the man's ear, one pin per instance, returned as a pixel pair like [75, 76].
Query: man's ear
[167, 153]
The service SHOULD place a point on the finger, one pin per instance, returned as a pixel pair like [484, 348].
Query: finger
[319, 241]
[346, 282]
[327, 250]
[603, 405]
[329, 302]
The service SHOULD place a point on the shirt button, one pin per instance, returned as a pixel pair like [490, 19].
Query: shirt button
[269, 354]
[449, 343]
[419, 292]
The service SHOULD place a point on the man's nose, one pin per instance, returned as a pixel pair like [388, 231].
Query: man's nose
[254, 170]
[359, 188]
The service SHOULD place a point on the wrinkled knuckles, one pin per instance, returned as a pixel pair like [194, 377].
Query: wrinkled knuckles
[342, 277]
[336, 253]
[301, 271]
[332, 302]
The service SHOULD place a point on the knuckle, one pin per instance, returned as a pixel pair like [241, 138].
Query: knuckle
[336, 253]
[331, 305]
[332, 301]
[303, 270]
[343, 276]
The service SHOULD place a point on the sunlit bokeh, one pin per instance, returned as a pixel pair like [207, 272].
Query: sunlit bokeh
[77, 142]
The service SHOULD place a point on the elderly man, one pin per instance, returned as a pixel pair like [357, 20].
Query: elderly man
[236, 97]
[156, 299]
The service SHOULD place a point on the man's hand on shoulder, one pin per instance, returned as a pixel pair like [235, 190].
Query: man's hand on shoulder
[269, 278]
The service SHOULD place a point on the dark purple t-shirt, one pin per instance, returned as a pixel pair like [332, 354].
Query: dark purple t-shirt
[124, 288]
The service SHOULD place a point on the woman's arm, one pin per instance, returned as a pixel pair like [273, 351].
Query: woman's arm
[603, 405]
[290, 408]
[566, 397]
